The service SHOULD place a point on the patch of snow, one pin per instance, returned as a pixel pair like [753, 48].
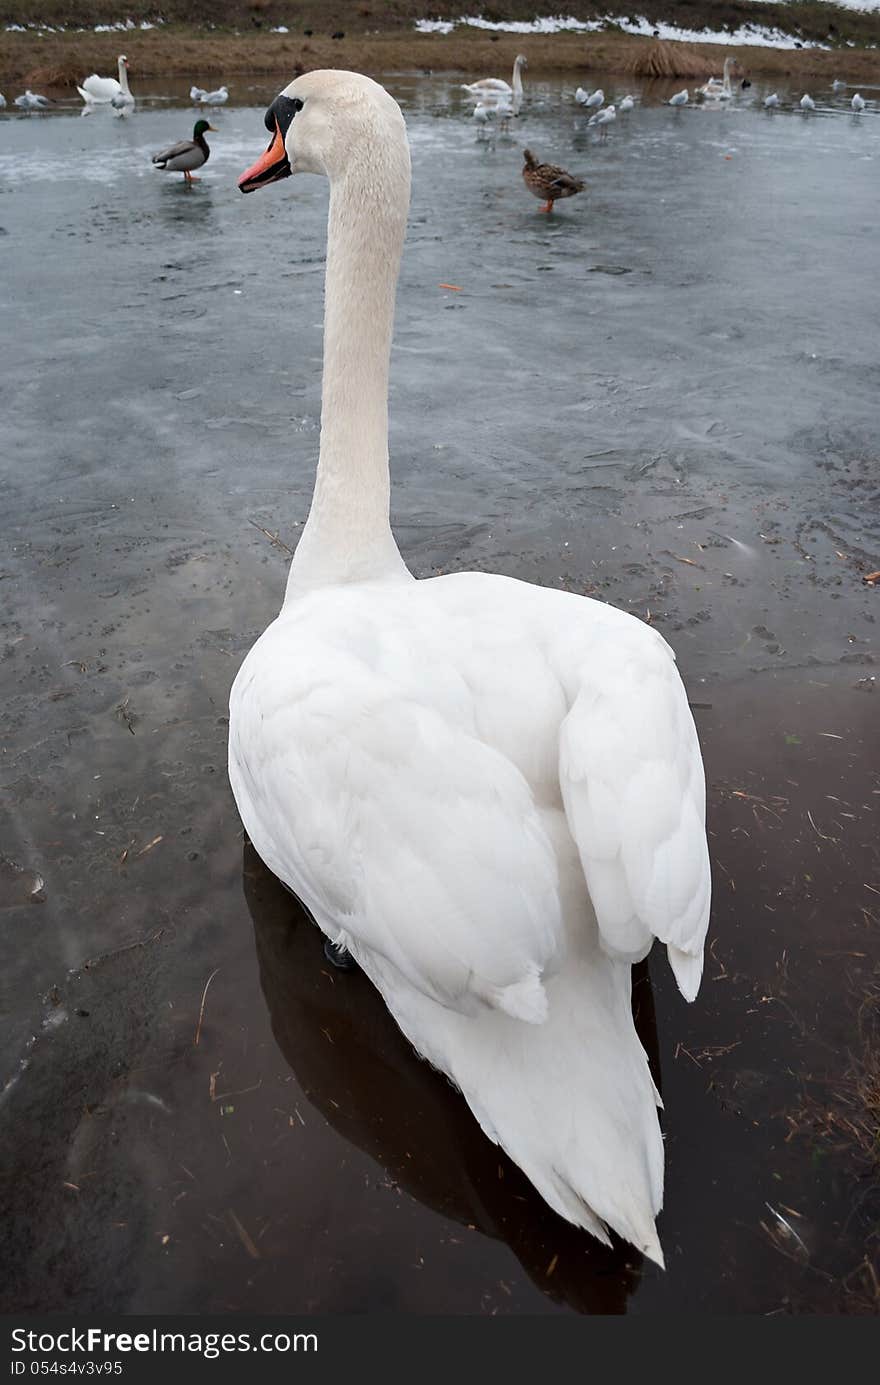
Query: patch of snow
[747, 35]
[282, 29]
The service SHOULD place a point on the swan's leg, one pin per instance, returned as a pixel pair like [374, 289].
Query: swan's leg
[339, 957]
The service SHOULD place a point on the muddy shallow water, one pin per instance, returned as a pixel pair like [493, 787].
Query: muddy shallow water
[663, 395]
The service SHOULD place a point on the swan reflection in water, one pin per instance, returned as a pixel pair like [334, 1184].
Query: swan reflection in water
[399, 1111]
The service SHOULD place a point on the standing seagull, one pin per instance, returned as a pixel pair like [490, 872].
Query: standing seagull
[32, 101]
[591, 100]
[626, 104]
[679, 99]
[858, 103]
[547, 181]
[807, 103]
[188, 155]
[2, 101]
[604, 119]
[771, 101]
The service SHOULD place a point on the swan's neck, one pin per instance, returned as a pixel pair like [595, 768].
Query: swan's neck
[123, 78]
[347, 536]
[727, 74]
[516, 81]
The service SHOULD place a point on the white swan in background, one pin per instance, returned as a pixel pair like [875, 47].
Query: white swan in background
[858, 103]
[717, 90]
[591, 100]
[807, 103]
[32, 101]
[626, 104]
[489, 792]
[679, 99]
[101, 91]
[488, 88]
[771, 101]
[603, 118]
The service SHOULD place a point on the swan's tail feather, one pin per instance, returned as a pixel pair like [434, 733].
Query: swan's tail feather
[571, 1100]
[687, 968]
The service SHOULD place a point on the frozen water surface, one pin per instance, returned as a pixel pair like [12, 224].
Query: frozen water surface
[666, 394]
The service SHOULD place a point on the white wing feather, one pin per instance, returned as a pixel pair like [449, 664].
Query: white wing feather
[394, 825]
[635, 797]
[99, 89]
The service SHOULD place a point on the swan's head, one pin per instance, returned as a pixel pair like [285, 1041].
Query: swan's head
[122, 61]
[322, 123]
[520, 60]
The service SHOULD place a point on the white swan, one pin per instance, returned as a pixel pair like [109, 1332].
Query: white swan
[858, 103]
[717, 90]
[603, 118]
[626, 104]
[679, 99]
[807, 103]
[489, 792]
[108, 91]
[591, 100]
[771, 101]
[488, 87]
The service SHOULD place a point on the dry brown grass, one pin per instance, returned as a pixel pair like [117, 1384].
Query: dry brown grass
[846, 1119]
[666, 59]
[182, 52]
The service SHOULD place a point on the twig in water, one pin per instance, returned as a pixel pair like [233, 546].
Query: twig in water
[202, 1007]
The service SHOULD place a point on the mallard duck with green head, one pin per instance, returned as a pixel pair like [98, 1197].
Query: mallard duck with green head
[188, 155]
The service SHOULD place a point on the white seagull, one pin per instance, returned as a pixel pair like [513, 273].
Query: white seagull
[32, 101]
[604, 119]
[771, 101]
[858, 103]
[679, 99]
[626, 104]
[591, 100]
[807, 103]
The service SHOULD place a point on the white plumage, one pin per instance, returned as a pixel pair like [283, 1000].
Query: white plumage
[626, 104]
[718, 89]
[490, 792]
[32, 101]
[771, 101]
[807, 103]
[679, 99]
[200, 97]
[490, 88]
[592, 100]
[603, 119]
[858, 103]
[108, 91]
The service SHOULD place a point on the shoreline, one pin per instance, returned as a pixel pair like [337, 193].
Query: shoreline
[59, 60]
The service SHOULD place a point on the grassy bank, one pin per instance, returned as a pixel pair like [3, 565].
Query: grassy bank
[55, 62]
[807, 19]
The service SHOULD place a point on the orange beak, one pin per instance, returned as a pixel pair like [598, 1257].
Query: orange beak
[269, 167]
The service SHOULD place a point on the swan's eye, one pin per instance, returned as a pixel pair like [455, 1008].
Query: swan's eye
[282, 111]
